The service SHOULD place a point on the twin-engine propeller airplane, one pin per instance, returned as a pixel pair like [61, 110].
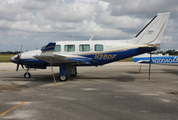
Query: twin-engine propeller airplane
[70, 54]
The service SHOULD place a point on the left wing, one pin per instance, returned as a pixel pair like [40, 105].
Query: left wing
[59, 58]
[74, 58]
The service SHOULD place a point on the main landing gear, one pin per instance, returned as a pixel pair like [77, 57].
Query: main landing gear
[67, 70]
[63, 78]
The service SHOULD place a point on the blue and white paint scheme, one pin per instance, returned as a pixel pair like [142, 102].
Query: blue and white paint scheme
[70, 54]
[156, 59]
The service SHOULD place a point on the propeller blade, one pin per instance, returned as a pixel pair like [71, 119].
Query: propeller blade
[19, 62]
[17, 67]
[19, 59]
[21, 65]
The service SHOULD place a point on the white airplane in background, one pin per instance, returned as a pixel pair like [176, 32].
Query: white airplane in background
[70, 54]
[156, 59]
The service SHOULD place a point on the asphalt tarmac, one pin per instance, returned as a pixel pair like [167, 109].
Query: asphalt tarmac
[116, 91]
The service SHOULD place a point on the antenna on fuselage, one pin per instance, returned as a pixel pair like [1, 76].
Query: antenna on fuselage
[15, 50]
[21, 49]
[91, 37]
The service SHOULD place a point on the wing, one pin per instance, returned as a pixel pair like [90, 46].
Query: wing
[61, 58]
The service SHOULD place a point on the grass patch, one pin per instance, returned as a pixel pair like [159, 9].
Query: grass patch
[127, 60]
[5, 57]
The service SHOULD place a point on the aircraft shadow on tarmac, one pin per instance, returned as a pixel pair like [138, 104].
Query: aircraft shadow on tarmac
[49, 78]
[172, 71]
[35, 78]
[120, 78]
[35, 81]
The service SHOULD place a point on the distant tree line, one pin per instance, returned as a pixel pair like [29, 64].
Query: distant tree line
[10, 52]
[170, 52]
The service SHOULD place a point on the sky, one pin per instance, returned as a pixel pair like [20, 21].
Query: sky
[34, 23]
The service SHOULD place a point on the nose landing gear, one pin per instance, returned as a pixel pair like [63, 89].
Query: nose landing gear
[27, 74]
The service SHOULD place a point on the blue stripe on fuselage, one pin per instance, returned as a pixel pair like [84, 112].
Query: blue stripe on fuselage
[104, 58]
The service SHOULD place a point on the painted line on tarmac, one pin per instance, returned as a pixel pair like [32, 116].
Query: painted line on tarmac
[56, 83]
[13, 108]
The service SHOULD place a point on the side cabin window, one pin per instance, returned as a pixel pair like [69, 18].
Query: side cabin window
[69, 48]
[84, 47]
[98, 47]
[57, 48]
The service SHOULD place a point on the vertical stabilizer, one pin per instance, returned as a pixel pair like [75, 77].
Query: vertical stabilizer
[152, 33]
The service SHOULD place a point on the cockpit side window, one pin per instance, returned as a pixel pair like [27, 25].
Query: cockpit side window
[57, 48]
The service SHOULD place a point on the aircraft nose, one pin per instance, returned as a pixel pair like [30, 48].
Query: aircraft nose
[14, 59]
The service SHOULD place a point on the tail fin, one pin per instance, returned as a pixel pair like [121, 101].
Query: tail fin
[153, 31]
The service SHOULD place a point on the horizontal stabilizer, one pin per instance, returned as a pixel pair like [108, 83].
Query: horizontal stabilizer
[149, 47]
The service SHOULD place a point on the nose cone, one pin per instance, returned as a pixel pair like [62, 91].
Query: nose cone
[14, 59]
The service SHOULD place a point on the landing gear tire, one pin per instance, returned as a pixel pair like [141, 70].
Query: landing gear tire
[63, 78]
[27, 75]
[73, 75]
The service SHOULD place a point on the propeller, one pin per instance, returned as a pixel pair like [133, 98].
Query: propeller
[19, 60]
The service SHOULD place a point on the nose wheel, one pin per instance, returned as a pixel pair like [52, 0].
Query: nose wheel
[27, 75]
